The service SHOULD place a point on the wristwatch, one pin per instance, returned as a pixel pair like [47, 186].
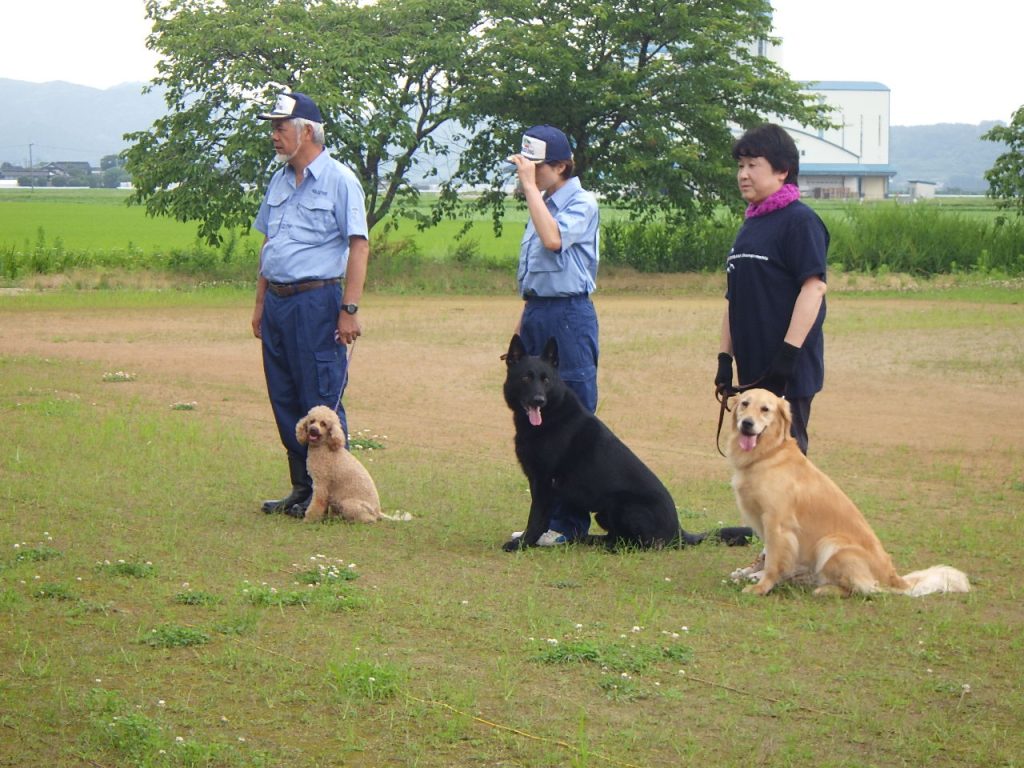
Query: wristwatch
[350, 308]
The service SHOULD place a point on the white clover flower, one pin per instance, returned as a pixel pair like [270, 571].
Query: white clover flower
[180, 739]
[552, 641]
[966, 687]
[637, 629]
[161, 703]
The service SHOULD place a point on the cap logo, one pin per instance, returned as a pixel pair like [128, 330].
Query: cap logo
[534, 149]
[285, 105]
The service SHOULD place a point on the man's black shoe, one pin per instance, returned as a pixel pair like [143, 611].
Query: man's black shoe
[299, 510]
[300, 495]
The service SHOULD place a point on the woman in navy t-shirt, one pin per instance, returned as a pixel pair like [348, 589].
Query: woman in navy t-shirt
[775, 279]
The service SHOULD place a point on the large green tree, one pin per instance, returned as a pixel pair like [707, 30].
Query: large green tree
[1006, 177]
[384, 75]
[649, 91]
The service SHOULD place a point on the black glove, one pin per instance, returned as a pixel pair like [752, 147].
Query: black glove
[723, 379]
[782, 370]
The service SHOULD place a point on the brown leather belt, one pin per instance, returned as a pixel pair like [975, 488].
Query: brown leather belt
[283, 290]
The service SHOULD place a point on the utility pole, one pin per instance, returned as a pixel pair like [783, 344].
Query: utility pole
[31, 172]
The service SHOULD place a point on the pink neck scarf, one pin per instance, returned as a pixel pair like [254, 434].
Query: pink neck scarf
[785, 195]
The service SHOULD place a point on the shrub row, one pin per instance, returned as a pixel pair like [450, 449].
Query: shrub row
[916, 239]
[230, 261]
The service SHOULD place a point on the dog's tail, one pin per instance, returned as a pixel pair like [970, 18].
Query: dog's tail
[399, 517]
[938, 578]
[733, 536]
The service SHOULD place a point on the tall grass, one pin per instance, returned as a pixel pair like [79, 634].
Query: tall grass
[923, 239]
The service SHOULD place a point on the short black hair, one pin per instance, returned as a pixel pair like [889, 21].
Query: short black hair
[774, 144]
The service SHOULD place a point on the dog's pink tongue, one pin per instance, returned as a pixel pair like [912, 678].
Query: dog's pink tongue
[747, 442]
[533, 413]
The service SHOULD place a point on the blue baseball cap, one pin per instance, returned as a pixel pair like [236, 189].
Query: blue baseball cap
[545, 144]
[292, 105]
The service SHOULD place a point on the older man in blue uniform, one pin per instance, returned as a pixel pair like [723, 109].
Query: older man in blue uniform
[312, 270]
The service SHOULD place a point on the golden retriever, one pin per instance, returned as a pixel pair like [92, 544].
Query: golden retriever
[340, 483]
[811, 530]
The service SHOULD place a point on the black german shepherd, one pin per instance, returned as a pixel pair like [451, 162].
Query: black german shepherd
[570, 456]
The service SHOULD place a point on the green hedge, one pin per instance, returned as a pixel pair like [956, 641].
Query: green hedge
[885, 237]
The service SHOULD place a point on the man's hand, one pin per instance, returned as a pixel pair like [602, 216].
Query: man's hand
[257, 320]
[349, 328]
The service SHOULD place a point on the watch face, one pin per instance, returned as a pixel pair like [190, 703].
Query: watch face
[350, 308]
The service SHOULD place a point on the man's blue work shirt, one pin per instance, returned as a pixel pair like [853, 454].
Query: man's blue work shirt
[572, 271]
[308, 226]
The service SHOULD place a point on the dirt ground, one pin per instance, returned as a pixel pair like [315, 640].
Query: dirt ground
[928, 375]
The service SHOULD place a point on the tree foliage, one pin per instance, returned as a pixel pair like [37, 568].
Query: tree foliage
[648, 91]
[382, 76]
[1006, 177]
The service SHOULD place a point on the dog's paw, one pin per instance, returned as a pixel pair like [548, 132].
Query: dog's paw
[745, 574]
[513, 545]
[761, 588]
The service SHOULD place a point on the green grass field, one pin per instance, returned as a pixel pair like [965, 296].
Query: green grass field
[151, 616]
[99, 220]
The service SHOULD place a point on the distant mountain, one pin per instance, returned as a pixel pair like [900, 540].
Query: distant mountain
[63, 121]
[66, 122]
[951, 154]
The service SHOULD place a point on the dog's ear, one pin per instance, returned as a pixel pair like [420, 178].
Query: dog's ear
[785, 416]
[550, 353]
[516, 350]
[335, 436]
[732, 403]
[301, 431]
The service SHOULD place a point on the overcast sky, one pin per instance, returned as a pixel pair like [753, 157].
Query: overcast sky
[943, 60]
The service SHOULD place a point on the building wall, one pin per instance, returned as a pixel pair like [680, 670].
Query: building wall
[851, 159]
[862, 115]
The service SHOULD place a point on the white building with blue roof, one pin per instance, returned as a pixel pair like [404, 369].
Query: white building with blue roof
[852, 159]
